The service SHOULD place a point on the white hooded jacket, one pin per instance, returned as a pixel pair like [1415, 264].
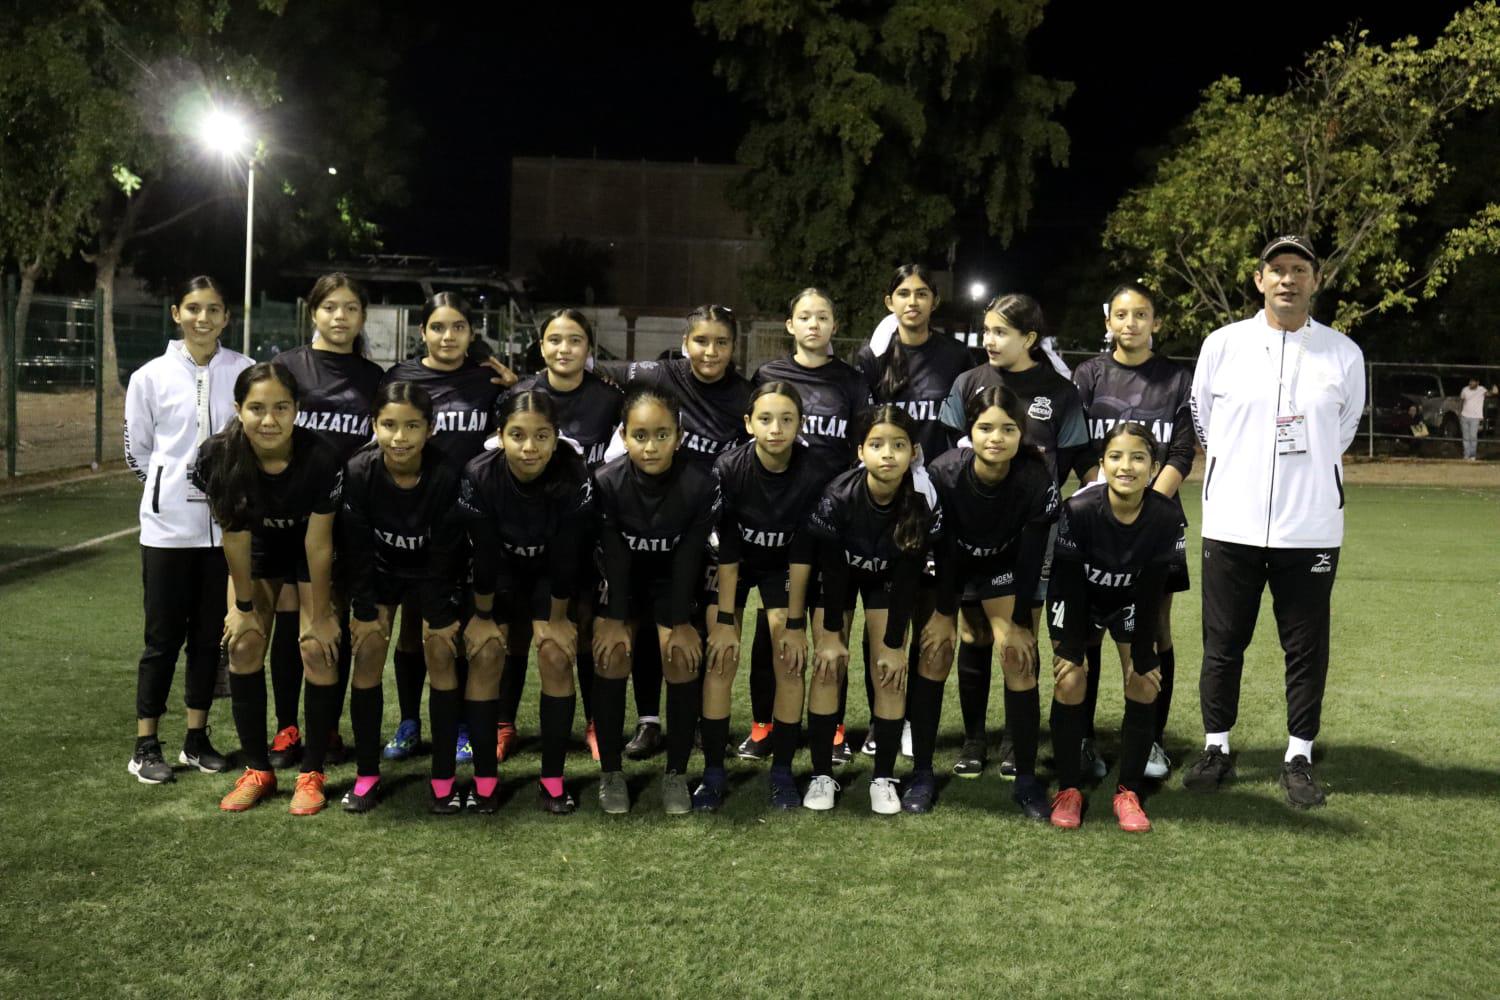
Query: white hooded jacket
[171, 407]
[1248, 375]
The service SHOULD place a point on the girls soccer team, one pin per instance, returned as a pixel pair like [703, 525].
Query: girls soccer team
[494, 521]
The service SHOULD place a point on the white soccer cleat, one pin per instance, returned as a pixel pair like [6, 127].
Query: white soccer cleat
[884, 799]
[822, 793]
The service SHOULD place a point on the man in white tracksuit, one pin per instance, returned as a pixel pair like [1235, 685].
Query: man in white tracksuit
[1276, 400]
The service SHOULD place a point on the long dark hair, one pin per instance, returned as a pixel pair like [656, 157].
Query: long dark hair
[565, 471]
[1131, 428]
[1023, 313]
[1004, 397]
[911, 513]
[637, 393]
[565, 313]
[232, 479]
[478, 349]
[775, 389]
[410, 393]
[711, 313]
[815, 292]
[1131, 286]
[200, 283]
[896, 372]
[332, 282]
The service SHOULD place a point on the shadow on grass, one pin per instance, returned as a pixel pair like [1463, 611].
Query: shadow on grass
[51, 560]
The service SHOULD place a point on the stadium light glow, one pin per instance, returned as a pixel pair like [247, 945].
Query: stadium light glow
[224, 133]
[977, 291]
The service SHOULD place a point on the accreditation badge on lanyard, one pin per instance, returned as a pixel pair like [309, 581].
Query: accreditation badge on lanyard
[1291, 429]
[200, 396]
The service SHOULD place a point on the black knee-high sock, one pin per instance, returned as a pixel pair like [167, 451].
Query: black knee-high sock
[1135, 743]
[820, 741]
[442, 707]
[482, 717]
[784, 740]
[512, 686]
[843, 702]
[461, 671]
[682, 721]
[1023, 720]
[715, 735]
[1168, 658]
[286, 667]
[247, 694]
[924, 707]
[887, 744]
[645, 672]
[869, 677]
[1095, 657]
[1067, 743]
[366, 705]
[320, 702]
[609, 720]
[975, 667]
[585, 685]
[557, 726]
[762, 672]
[411, 671]
[346, 666]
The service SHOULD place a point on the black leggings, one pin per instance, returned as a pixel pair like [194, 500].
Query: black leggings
[185, 605]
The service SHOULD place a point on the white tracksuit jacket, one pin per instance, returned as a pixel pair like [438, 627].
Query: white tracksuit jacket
[1248, 374]
[166, 419]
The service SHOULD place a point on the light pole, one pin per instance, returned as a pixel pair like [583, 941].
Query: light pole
[226, 134]
[977, 292]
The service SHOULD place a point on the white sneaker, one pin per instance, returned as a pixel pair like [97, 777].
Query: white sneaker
[1090, 762]
[822, 793]
[884, 799]
[1158, 764]
[906, 740]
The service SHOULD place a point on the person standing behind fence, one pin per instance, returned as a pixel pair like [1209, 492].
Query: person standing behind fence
[173, 403]
[1471, 415]
[1276, 399]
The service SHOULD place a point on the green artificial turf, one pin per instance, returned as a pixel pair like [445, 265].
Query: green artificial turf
[113, 888]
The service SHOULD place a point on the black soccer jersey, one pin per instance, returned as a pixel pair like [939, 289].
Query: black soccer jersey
[931, 369]
[1155, 393]
[763, 523]
[831, 396]
[654, 531]
[519, 530]
[588, 414]
[999, 526]
[334, 395]
[1054, 412]
[855, 540]
[310, 484]
[1100, 566]
[463, 405]
[713, 413]
[408, 534]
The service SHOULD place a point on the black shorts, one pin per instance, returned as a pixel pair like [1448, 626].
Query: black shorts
[437, 602]
[527, 599]
[1120, 623]
[986, 579]
[279, 560]
[650, 601]
[1178, 580]
[773, 586]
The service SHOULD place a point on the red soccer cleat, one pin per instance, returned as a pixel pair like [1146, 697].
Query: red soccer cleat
[1128, 811]
[1067, 809]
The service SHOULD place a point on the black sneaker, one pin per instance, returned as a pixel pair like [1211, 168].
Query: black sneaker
[709, 795]
[920, 792]
[1007, 757]
[784, 794]
[869, 748]
[971, 759]
[148, 765]
[484, 805]
[646, 741]
[447, 806]
[756, 749]
[361, 803]
[1031, 796]
[1212, 768]
[200, 753]
[1297, 780]
[557, 805]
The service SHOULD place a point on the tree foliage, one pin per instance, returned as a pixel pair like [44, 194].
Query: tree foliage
[1348, 155]
[878, 124]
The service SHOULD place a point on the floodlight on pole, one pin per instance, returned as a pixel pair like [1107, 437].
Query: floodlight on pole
[977, 291]
[227, 135]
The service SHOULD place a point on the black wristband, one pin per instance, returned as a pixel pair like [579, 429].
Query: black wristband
[799, 623]
[725, 617]
[485, 615]
[244, 606]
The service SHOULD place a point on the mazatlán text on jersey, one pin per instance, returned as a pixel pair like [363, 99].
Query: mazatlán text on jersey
[339, 423]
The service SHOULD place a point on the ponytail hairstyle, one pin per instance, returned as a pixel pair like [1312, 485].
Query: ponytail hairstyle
[410, 393]
[723, 315]
[1024, 313]
[775, 389]
[199, 283]
[564, 313]
[637, 393]
[1005, 398]
[1130, 286]
[565, 471]
[812, 291]
[230, 470]
[1131, 428]
[912, 514]
[896, 373]
[330, 283]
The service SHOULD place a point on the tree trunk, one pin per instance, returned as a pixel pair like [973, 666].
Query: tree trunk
[29, 275]
[106, 264]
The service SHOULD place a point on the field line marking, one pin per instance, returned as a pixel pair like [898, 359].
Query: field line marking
[90, 543]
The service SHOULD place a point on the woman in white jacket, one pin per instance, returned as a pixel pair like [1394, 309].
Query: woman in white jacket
[173, 404]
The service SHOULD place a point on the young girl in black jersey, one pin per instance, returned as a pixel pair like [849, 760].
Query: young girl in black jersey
[999, 504]
[337, 383]
[1114, 547]
[1133, 383]
[588, 414]
[274, 487]
[529, 507]
[401, 539]
[1013, 330]
[463, 392]
[656, 513]
[769, 487]
[832, 393]
[874, 530]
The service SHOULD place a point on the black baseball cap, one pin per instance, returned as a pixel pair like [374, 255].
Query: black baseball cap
[1299, 245]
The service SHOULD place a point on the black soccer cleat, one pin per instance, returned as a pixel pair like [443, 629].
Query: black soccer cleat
[646, 742]
[1212, 768]
[920, 793]
[971, 759]
[1301, 787]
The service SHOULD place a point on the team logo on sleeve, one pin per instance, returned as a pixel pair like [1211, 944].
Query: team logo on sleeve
[1041, 408]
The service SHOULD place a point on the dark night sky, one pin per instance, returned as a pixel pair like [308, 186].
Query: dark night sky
[633, 81]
